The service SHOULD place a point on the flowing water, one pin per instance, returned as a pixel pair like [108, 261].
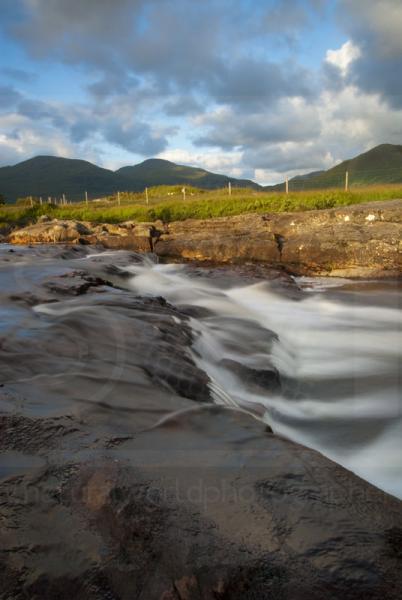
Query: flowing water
[317, 360]
[336, 346]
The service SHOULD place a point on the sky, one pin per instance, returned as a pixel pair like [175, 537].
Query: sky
[261, 89]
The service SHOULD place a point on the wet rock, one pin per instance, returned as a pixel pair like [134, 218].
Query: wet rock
[127, 481]
[74, 284]
[267, 379]
[165, 524]
[33, 436]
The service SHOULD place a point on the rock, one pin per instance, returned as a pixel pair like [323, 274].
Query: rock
[356, 241]
[144, 517]
[139, 237]
[244, 237]
[119, 479]
[5, 229]
[128, 224]
[48, 232]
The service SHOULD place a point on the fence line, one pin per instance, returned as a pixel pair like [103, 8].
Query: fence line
[344, 180]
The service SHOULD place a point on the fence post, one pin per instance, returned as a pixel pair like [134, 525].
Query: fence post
[230, 188]
[146, 196]
[184, 193]
[347, 181]
[86, 198]
[118, 198]
[287, 185]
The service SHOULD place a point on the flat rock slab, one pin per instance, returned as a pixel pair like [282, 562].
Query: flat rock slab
[363, 240]
[207, 505]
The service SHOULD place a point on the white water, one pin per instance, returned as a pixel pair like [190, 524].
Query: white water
[339, 361]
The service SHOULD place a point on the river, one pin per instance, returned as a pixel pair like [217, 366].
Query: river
[317, 360]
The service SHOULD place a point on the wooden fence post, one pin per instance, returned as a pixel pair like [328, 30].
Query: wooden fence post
[184, 193]
[118, 198]
[287, 185]
[230, 188]
[86, 198]
[146, 196]
[347, 181]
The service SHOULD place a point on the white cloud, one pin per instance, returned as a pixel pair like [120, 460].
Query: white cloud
[340, 124]
[232, 106]
[343, 57]
[22, 138]
[229, 163]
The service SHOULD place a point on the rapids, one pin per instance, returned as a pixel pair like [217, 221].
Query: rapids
[319, 361]
[322, 368]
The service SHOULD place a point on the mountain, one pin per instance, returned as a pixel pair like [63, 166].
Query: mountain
[306, 176]
[53, 176]
[382, 164]
[156, 171]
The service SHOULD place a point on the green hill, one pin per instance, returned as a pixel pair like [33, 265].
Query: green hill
[156, 171]
[380, 165]
[53, 176]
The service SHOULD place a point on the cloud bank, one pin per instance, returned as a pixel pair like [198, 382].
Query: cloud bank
[232, 86]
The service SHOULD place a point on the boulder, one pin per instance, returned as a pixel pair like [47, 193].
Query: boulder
[48, 232]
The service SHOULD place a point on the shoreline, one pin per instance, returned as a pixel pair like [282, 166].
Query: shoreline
[356, 242]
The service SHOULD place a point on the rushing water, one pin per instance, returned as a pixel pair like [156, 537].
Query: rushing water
[337, 351]
[318, 360]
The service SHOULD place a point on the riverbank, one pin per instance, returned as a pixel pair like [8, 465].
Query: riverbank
[360, 241]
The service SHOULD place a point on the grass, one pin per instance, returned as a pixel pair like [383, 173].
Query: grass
[167, 204]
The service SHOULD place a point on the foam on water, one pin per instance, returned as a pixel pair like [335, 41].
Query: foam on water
[339, 362]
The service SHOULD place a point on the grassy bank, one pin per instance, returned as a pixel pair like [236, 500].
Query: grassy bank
[170, 205]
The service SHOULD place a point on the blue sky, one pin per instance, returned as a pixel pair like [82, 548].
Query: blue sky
[250, 88]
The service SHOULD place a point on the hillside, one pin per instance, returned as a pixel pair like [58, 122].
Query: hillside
[380, 165]
[156, 171]
[53, 176]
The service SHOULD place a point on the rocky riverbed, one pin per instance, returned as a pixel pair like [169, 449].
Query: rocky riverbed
[360, 241]
[151, 420]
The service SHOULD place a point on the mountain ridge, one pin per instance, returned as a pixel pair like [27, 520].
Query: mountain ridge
[47, 175]
[54, 176]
